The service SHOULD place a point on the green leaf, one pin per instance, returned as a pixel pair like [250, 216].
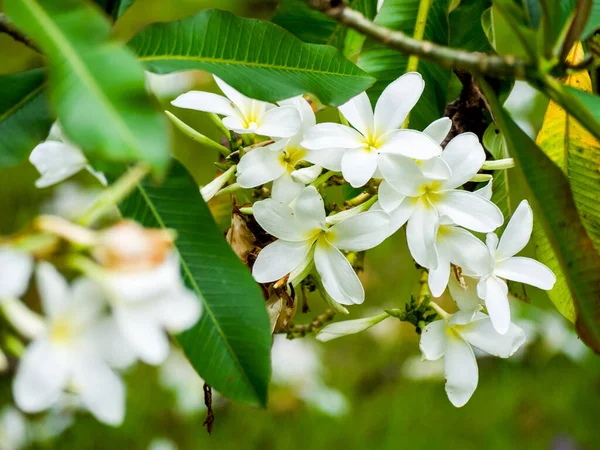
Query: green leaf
[593, 23]
[114, 8]
[494, 142]
[559, 218]
[24, 115]
[96, 86]
[256, 57]
[472, 37]
[387, 65]
[507, 29]
[354, 40]
[230, 345]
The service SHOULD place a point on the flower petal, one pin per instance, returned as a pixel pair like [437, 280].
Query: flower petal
[281, 122]
[307, 175]
[338, 277]
[439, 129]
[15, 270]
[470, 211]
[496, 303]
[526, 270]
[411, 143]
[54, 290]
[179, 310]
[360, 232]
[41, 377]
[207, 102]
[485, 191]
[466, 297]
[310, 210]
[435, 168]
[260, 166]
[481, 334]
[389, 198]
[358, 166]
[402, 173]
[101, 390]
[285, 189]
[460, 369]
[438, 277]
[331, 135]
[347, 327]
[465, 156]
[420, 234]
[278, 259]
[359, 113]
[144, 335]
[307, 114]
[396, 101]
[56, 161]
[463, 249]
[279, 220]
[243, 103]
[330, 159]
[433, 340]
[517, 232]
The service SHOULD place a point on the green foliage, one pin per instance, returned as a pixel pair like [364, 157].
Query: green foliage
[24, 115]
[494, 143]
[230, 345]
[239, 50]
[386, 64]
[96, 86]
[558, 215]
[471, 37]
[115, 8]
[593, 23]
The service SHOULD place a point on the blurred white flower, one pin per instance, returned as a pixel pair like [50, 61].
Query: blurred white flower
[66, 354]
[502, 264]
[178, 376]
[57, 159]
[69, 200]
[303, 235]
[277, 162]
[410, 195]
[15, 271]
[417, 369]
[162, 444]
[357, 151]
[452, 338]
[243, 114]
[13, 429]
[147, 303]
[169, 84]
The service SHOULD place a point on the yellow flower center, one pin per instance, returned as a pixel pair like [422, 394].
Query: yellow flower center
[61, 331]
[290, 157]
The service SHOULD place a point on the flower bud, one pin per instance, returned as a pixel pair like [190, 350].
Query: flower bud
[339, 329]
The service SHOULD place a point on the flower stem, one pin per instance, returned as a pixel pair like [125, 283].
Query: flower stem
[422, 13]
[423, 288]
[499, 164]
[217, 121]
[323, 178]
[480, 177]
[196, 136]
[246, 210]
[438, 309]
[66, 229]
[118, 191]
[229, 189]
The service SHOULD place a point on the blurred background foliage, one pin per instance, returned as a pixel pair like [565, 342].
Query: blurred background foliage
[369, 391]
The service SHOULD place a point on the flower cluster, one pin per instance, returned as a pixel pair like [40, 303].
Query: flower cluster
[407, 178]
[128, 296]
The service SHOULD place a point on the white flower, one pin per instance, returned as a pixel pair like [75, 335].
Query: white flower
[277, 162]
[302, 230]
[13, 429]
[66, 354]
[243, 114]
[178, 376]
[147, 302]
[347, 327]
[409, 195]
[453, 337]
[15, 270]
[505, 266]
[356, 151]
[69, 200]
[210, 190]
[57, 159]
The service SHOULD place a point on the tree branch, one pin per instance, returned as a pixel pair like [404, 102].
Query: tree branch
[477, 63]
[7, 27]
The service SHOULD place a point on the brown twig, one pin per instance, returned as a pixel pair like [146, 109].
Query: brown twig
[210, 417]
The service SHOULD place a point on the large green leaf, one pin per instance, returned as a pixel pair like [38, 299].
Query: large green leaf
[559, 218]
[230, 345]
[96, 86]
[593, 22]
[386, 64]
[115, 8]
[494, 142]
[24, 114]
[256, 57]
[472, 37]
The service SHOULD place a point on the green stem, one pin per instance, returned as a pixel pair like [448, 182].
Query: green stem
[438, 309]
[229, 189]
[323, 178]
[481, 177]
[111, 197]
[196, 136]
[499, 164]
[217, 121]
[246, 210]
[422, 14]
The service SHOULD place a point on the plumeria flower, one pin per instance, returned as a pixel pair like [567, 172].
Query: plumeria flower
[452, 339]
[16, 267]
[303, 234]
[409, 195]
[146, 303]
[66, 354]
[13, 429]
[277, 162]
[243, 114]
[57, 159]
[503, 265]
[356, 151]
